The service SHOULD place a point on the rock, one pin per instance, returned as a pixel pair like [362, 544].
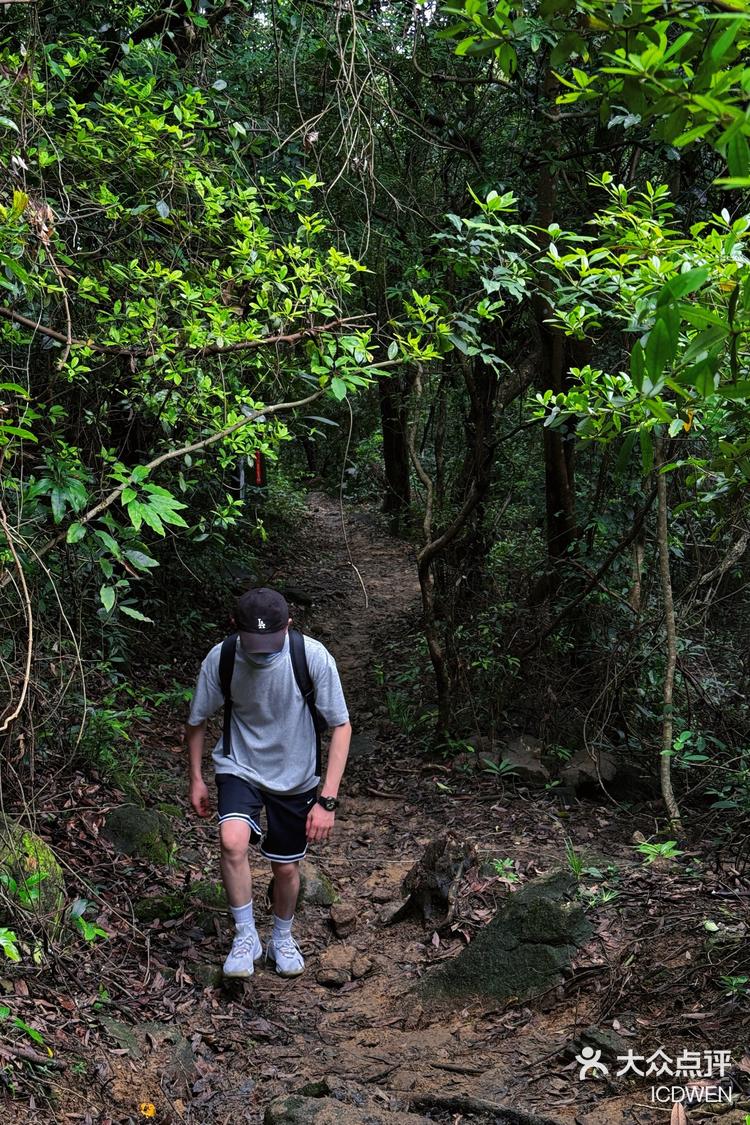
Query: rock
[361, 966]
[582, 772]
[604, 1039]
[351, 1106]
[379, 895]
[637, 838]
[206, 894]
[171, 810]
[524, 755]
[335, 966]
[176, 1058]
[296, 1110]
[344, 916]
[145, 833]
[123, 1036]
[523, 950]
[431, 884]
[363, 745]
[205, 974]
[33, 886]
[316, 889]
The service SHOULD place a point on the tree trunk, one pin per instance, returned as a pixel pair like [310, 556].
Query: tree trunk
[395, 448]
[665, 575]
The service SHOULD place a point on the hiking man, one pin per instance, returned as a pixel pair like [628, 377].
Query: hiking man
[268, 756]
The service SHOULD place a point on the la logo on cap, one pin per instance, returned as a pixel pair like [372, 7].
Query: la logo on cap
[261, 623]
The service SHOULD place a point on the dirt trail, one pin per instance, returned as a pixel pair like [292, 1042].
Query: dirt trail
[162, 1031]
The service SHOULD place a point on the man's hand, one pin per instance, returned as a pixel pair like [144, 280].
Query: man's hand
[199, 796]
[319, 823]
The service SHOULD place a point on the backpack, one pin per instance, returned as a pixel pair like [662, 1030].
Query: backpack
[301, 675]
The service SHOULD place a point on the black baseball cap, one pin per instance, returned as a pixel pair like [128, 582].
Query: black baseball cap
[261, 617]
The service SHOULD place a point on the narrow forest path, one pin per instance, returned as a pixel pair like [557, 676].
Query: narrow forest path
[158, 1029]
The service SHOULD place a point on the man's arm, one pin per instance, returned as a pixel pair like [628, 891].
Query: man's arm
[319, 821]
[195, 737]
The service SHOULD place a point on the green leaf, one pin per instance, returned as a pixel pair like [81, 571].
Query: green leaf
[739, 390]
[152, 519]
[107, 595]
[393, 349]
[338, 387]
[76, 532]
[637, 366]
[647, 450]
[738, 155]
[626, 451]
[140, 560]
[659, 350]
[135, 614]
[682, 284]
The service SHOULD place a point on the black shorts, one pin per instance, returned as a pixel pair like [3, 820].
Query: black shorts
[286, 816]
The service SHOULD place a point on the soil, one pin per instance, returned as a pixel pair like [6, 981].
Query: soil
[140, 1025]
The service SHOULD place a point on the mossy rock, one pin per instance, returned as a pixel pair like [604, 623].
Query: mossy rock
[33, 885]
[315, 888]
[170, 810]
[145, 833]
[521, 953]
[174, 904]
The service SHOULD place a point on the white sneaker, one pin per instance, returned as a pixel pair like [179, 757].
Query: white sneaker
[246, 949]
[287, 955]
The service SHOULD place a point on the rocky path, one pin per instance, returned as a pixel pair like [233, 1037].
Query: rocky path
[151, 1030]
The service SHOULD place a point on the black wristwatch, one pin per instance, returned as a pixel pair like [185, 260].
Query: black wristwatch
[329, 803]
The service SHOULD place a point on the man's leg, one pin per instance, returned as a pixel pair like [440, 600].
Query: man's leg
[234, 837]
[282, 947]
[285, 889]
[238, 817]
[285, 845]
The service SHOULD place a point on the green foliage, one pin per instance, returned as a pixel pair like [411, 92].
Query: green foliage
[735, 986]
[675, 75]
[89, 931]
[506, 869]
[26, 890]
[9, 944]
[30, 1032]
[667, 849]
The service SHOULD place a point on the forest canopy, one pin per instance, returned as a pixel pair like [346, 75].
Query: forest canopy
[485, 266]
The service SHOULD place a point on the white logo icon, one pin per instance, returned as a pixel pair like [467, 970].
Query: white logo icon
[261, 623]
[590, 1061]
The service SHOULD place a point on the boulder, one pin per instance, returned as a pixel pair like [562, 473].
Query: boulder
[144, 833]
[316, 889]
[523, 950]
[335, 967]
[204, 896]
[524, 755]
[582, 772]
[31, 878]
[344, 917]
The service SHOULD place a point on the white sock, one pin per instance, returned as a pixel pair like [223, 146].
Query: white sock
[282, 927]
[243, 916]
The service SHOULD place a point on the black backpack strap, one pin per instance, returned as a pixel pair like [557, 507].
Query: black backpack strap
[226, 668]
[306, 686]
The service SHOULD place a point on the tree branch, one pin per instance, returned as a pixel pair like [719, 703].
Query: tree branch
[109, 500]
[207, 349]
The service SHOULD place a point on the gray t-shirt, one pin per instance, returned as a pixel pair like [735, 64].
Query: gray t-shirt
[273, 737]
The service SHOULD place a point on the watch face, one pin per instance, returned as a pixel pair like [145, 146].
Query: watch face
[328, 803]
